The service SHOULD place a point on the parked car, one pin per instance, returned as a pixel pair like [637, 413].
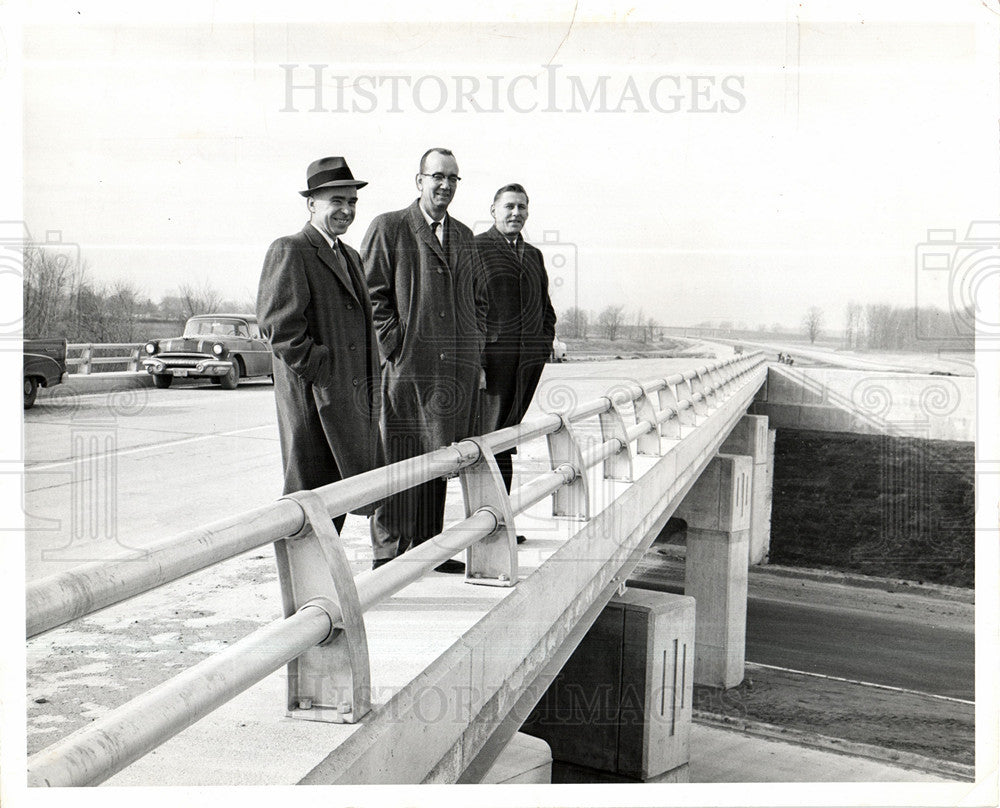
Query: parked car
[558, 350]
[222, 347]
[44, 366]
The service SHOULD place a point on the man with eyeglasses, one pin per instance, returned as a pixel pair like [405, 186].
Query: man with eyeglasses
[429, 309]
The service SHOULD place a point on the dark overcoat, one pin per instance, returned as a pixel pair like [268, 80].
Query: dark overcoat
[326, 367]
[429, 310]
[520, 324]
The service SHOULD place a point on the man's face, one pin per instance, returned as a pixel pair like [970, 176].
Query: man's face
[510, 212]
[436, 195]
[332, 209]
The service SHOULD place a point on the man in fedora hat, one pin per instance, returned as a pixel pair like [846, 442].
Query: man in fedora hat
[313, 304]
[429, 306]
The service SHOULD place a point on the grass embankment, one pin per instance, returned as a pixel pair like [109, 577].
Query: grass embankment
[876, 505]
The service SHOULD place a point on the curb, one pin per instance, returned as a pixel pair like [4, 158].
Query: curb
[82, 384]
[881, 754]
[677, 554]
[893, 585]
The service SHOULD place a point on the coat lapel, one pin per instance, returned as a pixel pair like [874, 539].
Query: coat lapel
[328, 257]
[424, 233]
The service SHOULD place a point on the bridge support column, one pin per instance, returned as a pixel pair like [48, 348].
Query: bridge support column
[752, 437]
[717, 512]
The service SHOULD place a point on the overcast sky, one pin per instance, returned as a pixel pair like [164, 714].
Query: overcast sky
[733, 169]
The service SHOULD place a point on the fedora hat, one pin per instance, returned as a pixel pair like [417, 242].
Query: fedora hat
[329, 172]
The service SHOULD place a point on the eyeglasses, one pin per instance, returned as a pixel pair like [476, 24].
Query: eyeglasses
[439, 178]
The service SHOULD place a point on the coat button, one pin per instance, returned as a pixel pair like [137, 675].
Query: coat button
[442, 315]
[354, 382]
[440, 271]
[353, 347]
[349, 306]
[442, 356]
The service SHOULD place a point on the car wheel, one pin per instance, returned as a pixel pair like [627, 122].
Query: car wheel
[232, 379]
[30, 391]
[162, 380]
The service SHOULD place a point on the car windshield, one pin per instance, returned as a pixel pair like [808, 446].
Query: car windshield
[219, 328]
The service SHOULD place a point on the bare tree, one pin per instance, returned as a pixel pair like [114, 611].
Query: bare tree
[813, 322]
[200, 299]
[574, 322]
[611, 320]
[640, 327]
[651, 329]
[47, 289]
[852, 330]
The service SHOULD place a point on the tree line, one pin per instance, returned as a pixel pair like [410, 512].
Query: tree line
[61, 299]
[612, 323]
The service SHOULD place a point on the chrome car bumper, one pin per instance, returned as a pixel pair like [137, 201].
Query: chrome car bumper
[173, 367]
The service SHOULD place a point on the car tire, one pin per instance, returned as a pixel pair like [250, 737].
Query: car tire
[162, 380]
[30, 391]
[232, 379]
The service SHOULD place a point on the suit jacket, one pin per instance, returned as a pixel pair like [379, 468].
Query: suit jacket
[429, 309]
[521, 324]
[326, 368]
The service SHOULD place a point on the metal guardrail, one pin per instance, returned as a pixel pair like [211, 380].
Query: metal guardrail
[84, 357]
[322, 635]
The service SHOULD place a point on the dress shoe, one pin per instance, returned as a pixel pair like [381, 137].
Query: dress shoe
[451, 565]
[521, 540]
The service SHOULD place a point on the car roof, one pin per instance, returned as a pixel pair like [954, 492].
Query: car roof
[250, 318]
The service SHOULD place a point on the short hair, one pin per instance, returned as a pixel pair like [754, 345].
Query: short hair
[514, 187]
[426, 154]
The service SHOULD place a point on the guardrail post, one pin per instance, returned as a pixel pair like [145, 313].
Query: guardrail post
[647, 443]
[697, 382]
[86, 354]
[570, 501]
[685, 392]
[671, 427]
[709, 387]
[133, 359]
[492, 561]
[619, 465]
[330, 682]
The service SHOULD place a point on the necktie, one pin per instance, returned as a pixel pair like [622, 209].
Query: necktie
[438, 229]
[515, 250]
[356, 281]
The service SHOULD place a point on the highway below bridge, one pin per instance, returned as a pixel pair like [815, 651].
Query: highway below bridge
[107, 473]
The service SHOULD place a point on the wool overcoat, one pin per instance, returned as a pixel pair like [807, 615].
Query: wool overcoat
[520, 324]
[316, 311]
[429, 309]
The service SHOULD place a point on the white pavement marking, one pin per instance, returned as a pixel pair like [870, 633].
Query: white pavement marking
[859, 682]
[150, 446]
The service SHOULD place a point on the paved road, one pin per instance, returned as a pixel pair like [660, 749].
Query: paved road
[852, 644]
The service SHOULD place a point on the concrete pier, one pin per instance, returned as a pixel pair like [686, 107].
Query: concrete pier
[752, 437]
[717, 512]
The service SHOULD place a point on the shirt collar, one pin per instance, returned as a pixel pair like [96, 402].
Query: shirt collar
[430, 219]
[331, 241]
